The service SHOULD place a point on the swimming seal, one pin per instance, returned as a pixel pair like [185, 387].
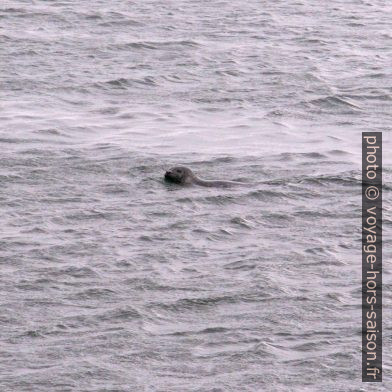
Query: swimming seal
[184, 176]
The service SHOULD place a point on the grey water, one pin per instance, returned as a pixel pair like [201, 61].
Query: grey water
[112, 279]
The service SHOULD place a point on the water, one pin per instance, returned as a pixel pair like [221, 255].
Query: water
[113, 280]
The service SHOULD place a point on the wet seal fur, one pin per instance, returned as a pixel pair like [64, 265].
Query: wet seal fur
[184, 176]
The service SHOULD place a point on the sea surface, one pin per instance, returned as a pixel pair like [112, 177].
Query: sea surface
[113, 280]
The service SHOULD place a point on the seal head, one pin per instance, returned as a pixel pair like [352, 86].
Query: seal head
[184, 176]
[180, 175]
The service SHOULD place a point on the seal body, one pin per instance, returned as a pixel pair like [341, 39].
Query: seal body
[184, 176]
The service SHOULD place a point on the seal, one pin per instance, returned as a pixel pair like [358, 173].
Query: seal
[184, 176]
